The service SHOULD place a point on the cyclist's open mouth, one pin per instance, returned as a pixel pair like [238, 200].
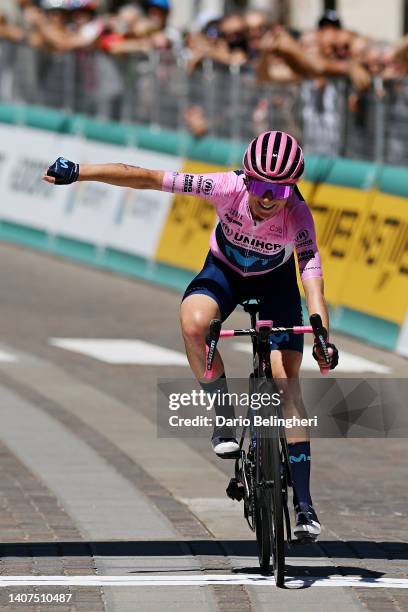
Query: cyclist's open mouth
[268, 209]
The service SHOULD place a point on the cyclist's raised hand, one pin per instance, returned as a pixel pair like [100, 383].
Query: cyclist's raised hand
[62, 172]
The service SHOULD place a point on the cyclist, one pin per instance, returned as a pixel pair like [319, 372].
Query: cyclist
[262, 219]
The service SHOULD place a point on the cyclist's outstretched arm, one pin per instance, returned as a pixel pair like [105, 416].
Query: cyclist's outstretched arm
[213, 186]
[123, 175]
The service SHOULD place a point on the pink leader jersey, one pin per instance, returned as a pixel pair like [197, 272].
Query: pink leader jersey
[252, 247]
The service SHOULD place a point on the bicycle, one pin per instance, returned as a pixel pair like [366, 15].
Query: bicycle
[262, 472]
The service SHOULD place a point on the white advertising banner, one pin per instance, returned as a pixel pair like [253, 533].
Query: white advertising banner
[141, 213]
[25, 198]
[125, 219]
[90, 207]
[89, 212]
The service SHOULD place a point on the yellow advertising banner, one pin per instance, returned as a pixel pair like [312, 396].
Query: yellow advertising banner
[339, 214]
[377, 277]
[363, 241]
[307, 189]
[186, 234]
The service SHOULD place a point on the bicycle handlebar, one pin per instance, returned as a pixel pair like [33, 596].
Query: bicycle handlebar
[215, 333]
[297, 329]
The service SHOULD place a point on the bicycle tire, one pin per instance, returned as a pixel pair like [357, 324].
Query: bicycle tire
[278, 525]
[263, 503]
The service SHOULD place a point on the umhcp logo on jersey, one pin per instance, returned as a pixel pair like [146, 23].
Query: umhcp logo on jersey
[246, 259]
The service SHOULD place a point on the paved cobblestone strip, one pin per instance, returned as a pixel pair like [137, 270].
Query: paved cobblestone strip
[185, 522]
[177, 513]
[360, 528]
[33, 531]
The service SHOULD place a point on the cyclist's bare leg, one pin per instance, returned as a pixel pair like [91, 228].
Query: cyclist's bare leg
[196, 314]
[286, 364]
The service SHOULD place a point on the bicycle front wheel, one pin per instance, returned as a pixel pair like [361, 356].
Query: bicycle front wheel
[263, 503]
[269, 517]
[278, 529]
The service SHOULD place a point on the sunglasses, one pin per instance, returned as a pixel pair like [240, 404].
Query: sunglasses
[279, 191]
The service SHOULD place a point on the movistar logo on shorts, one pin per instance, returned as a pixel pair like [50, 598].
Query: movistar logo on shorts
[299, 458]
[276, 339]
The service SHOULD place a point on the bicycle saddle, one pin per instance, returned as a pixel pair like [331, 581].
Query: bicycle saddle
[252, 306]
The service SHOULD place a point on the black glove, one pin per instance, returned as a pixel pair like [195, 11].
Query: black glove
[334, 358]
[64, 171]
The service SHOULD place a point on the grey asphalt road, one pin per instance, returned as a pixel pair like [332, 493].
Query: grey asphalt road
[88, 489]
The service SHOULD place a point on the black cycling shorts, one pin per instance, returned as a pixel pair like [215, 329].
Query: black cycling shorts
[277, 291]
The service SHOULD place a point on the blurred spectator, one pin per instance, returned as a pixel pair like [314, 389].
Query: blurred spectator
[13, 10]
[396, 58]
[158, 11]
[67, 25]
[222, 41]
[324, 53]
[8, 31]
[131, 32]
[279, 58]
[329, 19]
[256, 25]
[233, 34]
[196, 122]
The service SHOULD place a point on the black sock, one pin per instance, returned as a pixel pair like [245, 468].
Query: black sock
[299, 458]
[222, 408]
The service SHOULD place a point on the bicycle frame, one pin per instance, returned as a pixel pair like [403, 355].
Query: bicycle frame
[262, 475]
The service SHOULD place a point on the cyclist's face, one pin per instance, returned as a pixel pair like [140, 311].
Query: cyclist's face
[266, 201]
[265, 207]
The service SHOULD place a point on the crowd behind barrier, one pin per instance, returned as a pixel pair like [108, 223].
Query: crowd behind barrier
[157, 89]
[229, 75]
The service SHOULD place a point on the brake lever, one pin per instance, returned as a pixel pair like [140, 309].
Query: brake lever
[320, 334]
[211, 341]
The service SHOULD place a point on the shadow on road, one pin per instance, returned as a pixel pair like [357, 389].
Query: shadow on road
[338, 549]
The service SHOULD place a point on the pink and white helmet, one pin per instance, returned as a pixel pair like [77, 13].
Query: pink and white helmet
[274, 157]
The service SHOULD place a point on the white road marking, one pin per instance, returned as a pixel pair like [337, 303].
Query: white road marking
[7, 357]
[226, 510]
[347, 362]
[212, 504]
[122, 352]
[203, 580]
